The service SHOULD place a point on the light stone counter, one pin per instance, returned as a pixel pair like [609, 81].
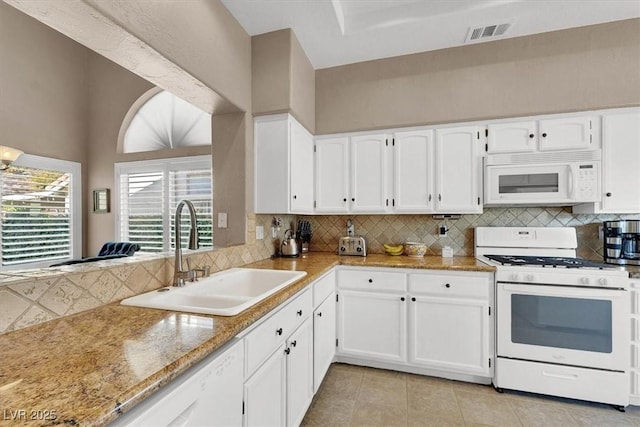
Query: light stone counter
[88, 367]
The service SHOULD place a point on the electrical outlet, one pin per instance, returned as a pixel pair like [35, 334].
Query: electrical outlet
[442, 230]
[222, 220]
[259, 232]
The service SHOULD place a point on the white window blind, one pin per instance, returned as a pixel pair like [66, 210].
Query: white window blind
[40, 213]
[149, 192]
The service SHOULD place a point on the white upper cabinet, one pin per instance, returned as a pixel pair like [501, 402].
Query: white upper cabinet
[458, 180]
[413, 171]
[551, 134]
[369, 174]
[620, 164]
[283, 165]
[352, 174]
[332, 169]
[565, 133]
[514, 137]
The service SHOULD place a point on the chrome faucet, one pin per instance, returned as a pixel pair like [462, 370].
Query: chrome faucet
[179, 275]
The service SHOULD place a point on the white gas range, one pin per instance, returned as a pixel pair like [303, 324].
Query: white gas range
[562, 323]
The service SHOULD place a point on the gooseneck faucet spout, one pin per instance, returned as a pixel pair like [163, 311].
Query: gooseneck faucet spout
[179, 274]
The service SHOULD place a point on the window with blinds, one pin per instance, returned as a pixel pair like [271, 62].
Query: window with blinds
[149, 192]
[40, 212]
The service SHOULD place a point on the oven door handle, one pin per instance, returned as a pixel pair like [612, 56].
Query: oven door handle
[562, 291]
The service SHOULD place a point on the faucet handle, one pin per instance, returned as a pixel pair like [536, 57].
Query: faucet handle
[205, 271]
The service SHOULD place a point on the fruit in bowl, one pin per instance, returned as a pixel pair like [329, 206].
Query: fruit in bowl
[415, 249]
[394, 249]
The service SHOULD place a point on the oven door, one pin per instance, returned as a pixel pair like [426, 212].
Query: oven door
[586, 327]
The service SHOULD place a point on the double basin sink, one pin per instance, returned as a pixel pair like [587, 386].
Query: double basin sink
[226, 293]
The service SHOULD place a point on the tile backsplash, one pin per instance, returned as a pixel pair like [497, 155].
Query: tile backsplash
[30, 297]
[380, 229]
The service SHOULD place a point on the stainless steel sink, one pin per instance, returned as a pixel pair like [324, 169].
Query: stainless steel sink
[226, 293]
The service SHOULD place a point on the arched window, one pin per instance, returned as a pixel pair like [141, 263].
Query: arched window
[164, 121]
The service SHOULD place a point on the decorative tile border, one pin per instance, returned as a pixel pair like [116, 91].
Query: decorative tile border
[30, 297]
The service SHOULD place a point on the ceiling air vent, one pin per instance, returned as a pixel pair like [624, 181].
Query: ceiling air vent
[483, 33]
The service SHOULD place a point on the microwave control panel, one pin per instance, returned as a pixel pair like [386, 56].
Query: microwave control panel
[587, 185]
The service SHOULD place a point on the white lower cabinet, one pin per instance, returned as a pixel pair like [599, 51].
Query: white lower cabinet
[265, 392]
[324, 339]
[434, 320]
[372, 325]
[299, 358]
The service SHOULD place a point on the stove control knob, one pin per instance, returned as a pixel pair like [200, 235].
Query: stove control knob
[531, 277]
[342, 249]
[584, 280]
[603, 281]
[515, 277]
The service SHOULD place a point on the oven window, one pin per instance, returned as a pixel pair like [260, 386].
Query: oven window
[528, 183]
[572, 323]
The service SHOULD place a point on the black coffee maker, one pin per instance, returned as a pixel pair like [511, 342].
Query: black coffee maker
[622, 242]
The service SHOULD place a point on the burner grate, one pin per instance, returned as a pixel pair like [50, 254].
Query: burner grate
[545, 261]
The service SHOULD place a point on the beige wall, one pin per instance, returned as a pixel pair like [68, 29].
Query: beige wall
[283, 78]
[576, 69]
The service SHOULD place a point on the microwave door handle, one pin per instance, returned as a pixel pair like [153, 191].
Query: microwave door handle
[570, 182]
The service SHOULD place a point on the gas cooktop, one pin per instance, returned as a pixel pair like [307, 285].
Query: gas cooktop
[546, 261]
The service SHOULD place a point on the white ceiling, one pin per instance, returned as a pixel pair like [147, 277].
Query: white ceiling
[337, 32]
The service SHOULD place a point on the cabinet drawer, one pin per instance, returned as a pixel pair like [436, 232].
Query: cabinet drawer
[454, 284]
[372, 279]
[323, 287]
[261, 342]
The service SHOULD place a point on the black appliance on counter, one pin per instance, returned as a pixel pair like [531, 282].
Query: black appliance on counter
[622, 242]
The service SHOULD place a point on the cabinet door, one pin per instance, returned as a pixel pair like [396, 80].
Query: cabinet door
[369, 174]
[301, 163]
[621, 150]
[299, 373]
[457, 170]
[264, 393]
[413, 171]
[513, 137]
[324, 339]
[565, 133]
[332, 175]
[271, 169]
[372, 325]
[450, 334]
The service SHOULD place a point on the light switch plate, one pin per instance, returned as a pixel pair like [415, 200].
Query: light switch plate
[259, 232]
[222, 220]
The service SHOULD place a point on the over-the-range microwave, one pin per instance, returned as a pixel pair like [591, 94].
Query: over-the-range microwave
[534, 179]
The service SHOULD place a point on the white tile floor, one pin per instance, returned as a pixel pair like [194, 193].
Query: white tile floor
[358, 396]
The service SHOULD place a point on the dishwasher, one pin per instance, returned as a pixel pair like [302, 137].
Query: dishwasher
[209, 393]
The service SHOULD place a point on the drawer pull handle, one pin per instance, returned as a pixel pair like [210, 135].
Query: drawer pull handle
[447, 285]
[279, 331]
[561, 376]
[370, 280]
[287, 350]
[294, 343]
[413, 298]
[320, 314]
[401, 298]
[299, 312]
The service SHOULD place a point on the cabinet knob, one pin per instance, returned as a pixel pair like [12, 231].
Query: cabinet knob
[401, 298]
[413, 298]
[429, 197]
[544, 135]
[279, 331]
[344, 200]
[294, 343]
[531, 135]
[353, 199]
[295, 197]
[299, 312]
[608, 194]
[439, 197]
[370, 280]
[447, 285]
[287, 350]
[320, 314]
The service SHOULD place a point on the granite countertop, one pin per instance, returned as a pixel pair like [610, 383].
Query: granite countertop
[88, 367]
